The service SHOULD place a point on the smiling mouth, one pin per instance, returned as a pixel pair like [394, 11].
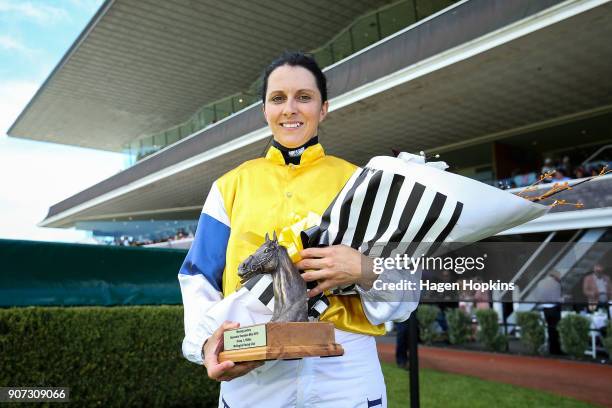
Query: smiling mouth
[292, 125]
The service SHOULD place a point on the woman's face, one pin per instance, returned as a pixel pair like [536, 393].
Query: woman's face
[293, 107]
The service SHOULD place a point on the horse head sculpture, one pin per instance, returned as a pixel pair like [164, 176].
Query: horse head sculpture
[290, 298]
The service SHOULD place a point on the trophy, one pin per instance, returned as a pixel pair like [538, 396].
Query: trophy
[289, 334]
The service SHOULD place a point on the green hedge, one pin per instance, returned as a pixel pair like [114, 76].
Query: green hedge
[574, 335]
[532, 330]
[111, 357]
[426, 315]
[608, 341]
[488, 332]
[459, 326]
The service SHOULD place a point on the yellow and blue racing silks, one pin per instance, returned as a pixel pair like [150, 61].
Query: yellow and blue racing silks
[258, 197]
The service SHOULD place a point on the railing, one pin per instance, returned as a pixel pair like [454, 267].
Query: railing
[594, 155]
[362, 33]
[529, 262]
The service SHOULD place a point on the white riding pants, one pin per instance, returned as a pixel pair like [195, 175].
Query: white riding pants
[352, 380]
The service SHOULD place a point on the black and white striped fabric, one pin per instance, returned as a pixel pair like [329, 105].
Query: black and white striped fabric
[384, 214]
[406, 206]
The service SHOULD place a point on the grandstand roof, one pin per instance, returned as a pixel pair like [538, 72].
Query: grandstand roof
[445, 83]
[140, 67]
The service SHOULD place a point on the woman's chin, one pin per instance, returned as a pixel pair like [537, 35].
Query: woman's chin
[292, 141]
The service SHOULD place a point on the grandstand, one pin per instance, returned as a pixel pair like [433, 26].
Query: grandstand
[500, 89]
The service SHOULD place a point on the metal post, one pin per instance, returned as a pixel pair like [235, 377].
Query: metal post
[505, 323]
[413, 357]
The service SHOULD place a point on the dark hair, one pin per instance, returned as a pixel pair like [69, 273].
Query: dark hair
[296, 58]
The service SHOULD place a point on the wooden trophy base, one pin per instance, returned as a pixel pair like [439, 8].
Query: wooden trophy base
[280, 341]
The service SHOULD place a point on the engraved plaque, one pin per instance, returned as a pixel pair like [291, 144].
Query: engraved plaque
[245, 337]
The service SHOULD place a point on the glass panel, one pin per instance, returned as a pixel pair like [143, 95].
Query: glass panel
[255, 88]
[207, 116]
[224, 108]
[323, 57]
[365, 32]
[342, 46]
[251, 99]
[146, 146]
[428, 7]
[128, 155]
[185, 130]
[198, 120]
[135, 147]
[172, 136]
[159, 140]
[395, 18]
[241, 102]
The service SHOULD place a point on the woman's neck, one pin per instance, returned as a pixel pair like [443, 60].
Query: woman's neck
[294, 154]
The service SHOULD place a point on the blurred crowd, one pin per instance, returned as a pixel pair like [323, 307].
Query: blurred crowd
[126, 240]
[562, 169]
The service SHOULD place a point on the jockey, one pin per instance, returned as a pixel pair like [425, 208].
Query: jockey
[265, 195]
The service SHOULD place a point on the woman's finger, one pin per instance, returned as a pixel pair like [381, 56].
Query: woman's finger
[315, 252]
[323, 286]
[243, 368]
[227, 325]
[316, 275]
[239, 370]
[217, 371]
[312, 263]
[213, 347]
[317, 290]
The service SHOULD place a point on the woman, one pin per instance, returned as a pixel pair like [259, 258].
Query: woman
[265, 195]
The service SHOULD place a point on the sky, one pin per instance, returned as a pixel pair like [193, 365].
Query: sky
[34, 35]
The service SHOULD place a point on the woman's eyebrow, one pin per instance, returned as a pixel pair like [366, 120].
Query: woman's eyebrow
[299, 90]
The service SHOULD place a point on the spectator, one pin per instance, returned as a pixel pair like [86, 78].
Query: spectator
[566, 165]
[560, 176]
[547, 168]
[548, 294]
[466, 299]
[597, 287]
[482, 297]
[580, 172]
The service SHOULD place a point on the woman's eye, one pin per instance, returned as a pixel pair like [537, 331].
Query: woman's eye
[304, 98]
[277, 99]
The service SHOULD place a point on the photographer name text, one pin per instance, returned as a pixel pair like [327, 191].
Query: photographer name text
[427, 285]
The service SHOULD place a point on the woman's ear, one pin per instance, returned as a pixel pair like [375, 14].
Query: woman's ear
[324, 108]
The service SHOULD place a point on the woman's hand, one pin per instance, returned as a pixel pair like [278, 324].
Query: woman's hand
[227, 370]
[337, 265]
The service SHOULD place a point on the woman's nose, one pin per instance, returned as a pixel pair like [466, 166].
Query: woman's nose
[290, 107]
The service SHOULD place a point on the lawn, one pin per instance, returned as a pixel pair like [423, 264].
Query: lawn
[440, 389]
